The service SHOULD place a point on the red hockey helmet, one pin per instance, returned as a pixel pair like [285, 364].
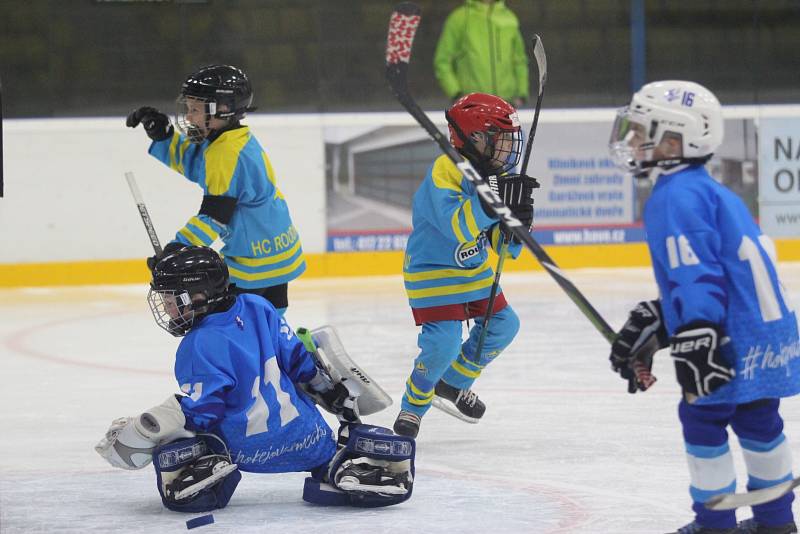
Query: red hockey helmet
[499, 141]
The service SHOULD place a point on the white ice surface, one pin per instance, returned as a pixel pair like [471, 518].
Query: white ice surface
[562, 447]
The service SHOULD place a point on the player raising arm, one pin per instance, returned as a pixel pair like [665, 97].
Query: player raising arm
[247, 386]
[242, 204]
[732, 335]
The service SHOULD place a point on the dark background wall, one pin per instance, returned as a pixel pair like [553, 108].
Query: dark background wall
[96, 58]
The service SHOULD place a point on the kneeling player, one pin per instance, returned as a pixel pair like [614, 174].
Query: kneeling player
[250, 386]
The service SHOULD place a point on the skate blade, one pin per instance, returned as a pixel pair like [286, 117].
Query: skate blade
[450, 409]
[351, 484]
[203, 484]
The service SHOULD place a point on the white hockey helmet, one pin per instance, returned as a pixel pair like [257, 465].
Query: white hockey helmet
[685, 110]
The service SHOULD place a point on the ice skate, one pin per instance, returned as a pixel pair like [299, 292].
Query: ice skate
[407, 424]
[749, 526]
[461, 403]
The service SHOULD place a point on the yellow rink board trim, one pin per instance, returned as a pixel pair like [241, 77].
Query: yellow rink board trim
[339, 264]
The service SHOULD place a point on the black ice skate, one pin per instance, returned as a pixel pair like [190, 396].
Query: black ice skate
[407, 424]
[697, 528]
[749, 526]
[461, 403]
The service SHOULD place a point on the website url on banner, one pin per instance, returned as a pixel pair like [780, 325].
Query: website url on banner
[587, 235]
[787, 218]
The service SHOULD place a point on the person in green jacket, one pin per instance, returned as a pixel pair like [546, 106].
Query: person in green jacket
[481, 50]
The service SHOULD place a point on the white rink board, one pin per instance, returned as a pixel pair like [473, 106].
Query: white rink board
[562, 448]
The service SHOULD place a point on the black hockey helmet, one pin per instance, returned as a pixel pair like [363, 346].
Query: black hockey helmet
[187, 285]
[222, 85]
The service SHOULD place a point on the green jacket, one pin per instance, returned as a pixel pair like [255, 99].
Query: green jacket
[481, 50]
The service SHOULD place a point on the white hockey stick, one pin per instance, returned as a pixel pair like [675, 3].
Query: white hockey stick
[731, 501]
[148, 223]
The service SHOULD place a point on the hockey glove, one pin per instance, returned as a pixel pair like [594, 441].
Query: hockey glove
[341, 402]
[516, 192]
[699, 366]
[640, 337]
[170, 248]
[155, 123]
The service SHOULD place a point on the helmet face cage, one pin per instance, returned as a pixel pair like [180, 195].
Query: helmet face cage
[629, 137]
[193, 117]
[173, 310]
[506, 148]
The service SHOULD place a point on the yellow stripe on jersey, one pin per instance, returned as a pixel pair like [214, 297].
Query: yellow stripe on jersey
[445, 273]
[251, 277]
[449, 290]
[445, 175]
[176, 152]
[206, 229]
[193, 239]
[472, 226]
[271, 175]
[221, 159]
[455, 222]
[258, 262]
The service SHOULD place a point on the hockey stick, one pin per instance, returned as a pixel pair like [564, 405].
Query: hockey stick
[541, 64]
[148, 223]
[403, 25]
[731, 501]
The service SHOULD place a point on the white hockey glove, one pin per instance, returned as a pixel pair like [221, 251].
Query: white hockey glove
[129, 442]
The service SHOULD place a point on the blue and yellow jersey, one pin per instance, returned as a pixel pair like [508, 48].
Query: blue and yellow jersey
[262, 247]
[446, 258]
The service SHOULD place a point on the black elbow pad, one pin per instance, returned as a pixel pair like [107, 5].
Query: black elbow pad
[218, 208]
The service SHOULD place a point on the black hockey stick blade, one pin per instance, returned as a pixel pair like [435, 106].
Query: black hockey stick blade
[403, 25]
[731, 501]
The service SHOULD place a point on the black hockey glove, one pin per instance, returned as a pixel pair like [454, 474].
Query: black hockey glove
[155, 123]
[699, 366]
[171, 247]
[516, 192]
[340, 401]
[640, 337]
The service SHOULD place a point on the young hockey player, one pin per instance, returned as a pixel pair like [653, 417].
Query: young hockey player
[241, 204]
[447, 273]
[248, 384]
[732, 336]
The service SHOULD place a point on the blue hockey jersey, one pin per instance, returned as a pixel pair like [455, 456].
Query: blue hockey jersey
[712, 263]
[262, 247]
[446, 257]
[240, 369]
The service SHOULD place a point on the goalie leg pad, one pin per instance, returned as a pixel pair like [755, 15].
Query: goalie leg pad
[192, 478]
[375, 467]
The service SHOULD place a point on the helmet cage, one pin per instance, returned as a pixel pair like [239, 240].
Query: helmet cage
[506, 148]
[173, 310]
[196, 133]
